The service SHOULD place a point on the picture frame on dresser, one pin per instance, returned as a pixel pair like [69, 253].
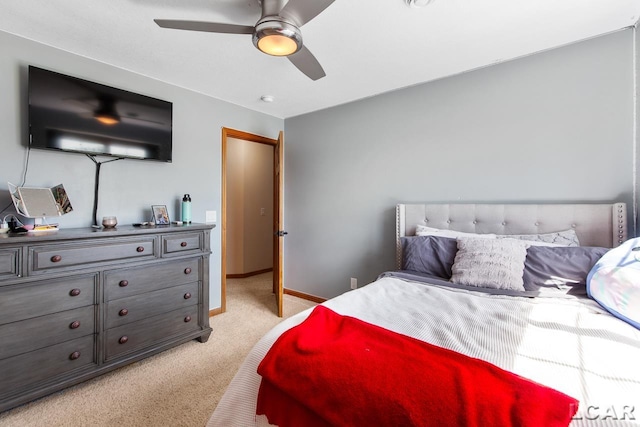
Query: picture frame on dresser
[160, 215]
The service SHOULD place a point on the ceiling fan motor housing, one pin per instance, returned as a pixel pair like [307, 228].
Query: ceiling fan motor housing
[274, 36]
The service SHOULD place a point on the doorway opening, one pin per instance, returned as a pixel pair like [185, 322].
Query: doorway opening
[251, 212]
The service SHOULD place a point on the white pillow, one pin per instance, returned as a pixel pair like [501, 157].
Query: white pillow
[558, 238]
[423, 230]
[614, 282]
[490, 263]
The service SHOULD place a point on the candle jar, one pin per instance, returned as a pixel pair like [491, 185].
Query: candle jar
[109, 221]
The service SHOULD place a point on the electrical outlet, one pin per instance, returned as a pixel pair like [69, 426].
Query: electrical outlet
[354, 283]
[263, 211]
[210, 216]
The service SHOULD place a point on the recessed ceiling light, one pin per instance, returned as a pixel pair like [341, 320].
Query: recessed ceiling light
[418, 3]
[267, 98]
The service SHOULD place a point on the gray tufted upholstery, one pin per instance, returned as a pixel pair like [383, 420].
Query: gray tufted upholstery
[595, 224]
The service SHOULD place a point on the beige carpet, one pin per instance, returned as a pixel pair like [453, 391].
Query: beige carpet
[179, 387]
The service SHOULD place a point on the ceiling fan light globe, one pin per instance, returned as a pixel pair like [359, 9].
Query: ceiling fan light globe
[107, 120]
[277, 38]
[277, 45]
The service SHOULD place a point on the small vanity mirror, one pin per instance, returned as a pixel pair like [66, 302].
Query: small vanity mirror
[34, 202]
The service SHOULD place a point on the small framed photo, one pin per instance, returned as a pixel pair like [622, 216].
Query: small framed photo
[160, 215]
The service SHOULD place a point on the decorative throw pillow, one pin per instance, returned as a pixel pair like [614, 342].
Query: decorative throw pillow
[614, 282]
[558, 238]
[490, 263]
[423, 230]
[430, 255]
[559, 266]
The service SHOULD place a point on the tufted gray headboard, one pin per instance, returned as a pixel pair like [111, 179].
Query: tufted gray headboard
[597, 224]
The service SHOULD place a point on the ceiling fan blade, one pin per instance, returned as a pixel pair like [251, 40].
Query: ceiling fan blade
[211, 27]
[307, 63]
[303, 11]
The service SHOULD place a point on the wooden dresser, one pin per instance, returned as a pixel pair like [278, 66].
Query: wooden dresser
[77, 303]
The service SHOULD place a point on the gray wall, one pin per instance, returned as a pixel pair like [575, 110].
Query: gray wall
[555, 126]
[129, 187]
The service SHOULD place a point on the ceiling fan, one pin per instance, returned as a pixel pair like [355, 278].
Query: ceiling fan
[277, 32]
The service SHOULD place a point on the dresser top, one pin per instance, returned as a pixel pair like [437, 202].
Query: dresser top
[92, 233]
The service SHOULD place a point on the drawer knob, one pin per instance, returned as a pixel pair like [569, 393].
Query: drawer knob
[123, 339]
[56, 258]
[123, 283]
[75, 355]
[75, 325]
[187, 295]
[187, 270]
[123, 312]
[140, 249]
[187, 319]
[74, 292]
[183, 244]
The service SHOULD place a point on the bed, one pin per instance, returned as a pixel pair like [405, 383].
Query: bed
[552, 335]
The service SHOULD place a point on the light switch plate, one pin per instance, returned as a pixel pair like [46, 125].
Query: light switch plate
[210, 216]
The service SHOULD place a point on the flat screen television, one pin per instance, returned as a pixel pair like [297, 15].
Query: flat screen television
[71, 114]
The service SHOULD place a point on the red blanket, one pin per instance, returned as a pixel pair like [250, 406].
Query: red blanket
[334, 370]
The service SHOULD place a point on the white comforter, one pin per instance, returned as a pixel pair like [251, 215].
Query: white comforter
[571, 345]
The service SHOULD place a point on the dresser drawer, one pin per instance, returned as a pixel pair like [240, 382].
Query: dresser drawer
[10, 262]
[182, 243]
[86, 254]
[39, 332]
[134, 281]
[26, 301]
[21, 371]
[138, 307]
[150, 331]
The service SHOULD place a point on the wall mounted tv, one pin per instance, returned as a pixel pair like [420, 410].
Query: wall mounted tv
[71, 114]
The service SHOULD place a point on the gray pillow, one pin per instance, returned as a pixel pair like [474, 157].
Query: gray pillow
[489, 263]
[559, 266]
[432, 255]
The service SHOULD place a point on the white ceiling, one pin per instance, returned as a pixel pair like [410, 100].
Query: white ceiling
[365, 47]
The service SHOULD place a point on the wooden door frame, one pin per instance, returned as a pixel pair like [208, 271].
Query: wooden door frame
[237, 134]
